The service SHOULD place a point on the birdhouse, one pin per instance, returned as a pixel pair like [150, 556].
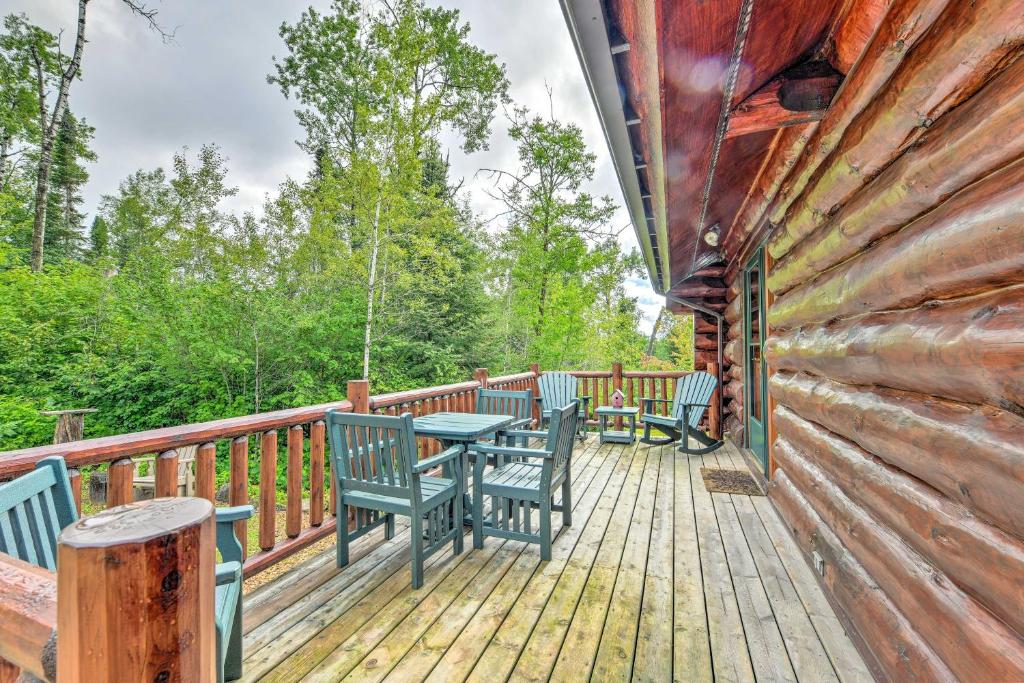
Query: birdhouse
[617, 397]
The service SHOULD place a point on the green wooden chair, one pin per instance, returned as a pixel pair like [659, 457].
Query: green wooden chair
[376, 470]
[500, 402]
[529, 479]
[559, 389]
[687, 408]
[36, 507]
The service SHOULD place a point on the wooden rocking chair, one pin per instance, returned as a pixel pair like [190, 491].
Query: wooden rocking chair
[688, 407]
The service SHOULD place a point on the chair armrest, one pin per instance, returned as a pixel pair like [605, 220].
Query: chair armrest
[435, 460]
[234, 514]
[697, 405]
[649, 403]
[529, 433]
[227, 542]
[489, 449]
[227, 573]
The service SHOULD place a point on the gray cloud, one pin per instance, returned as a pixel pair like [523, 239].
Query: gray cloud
[148, 99]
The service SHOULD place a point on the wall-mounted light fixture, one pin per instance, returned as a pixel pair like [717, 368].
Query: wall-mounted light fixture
[711, 235]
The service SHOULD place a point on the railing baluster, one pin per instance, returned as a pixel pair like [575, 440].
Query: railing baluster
[238, 491]
[268, 489]
[316, 473]
[119, 482]
[166, 474]
[293, 520]
[75, 479]
[206, 472]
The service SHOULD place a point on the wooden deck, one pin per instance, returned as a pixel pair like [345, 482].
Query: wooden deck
[656, 580]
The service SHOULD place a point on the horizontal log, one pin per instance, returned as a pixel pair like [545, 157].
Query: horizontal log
[732, 351]
[110, 448]
[710, 271]
[950, 63]
[28, 618]
[899, 650]
[734, 289]
[966, 350]
[734, 390]
[734, 332]
[972, 642]
[736, 373]
[702, 326]
[705, 342]
[731, 424]
[985, 562]
[971, 142]
[926, 437]
[897, 33]
[854, 32]
[781, 156]
[782, 102]
[734, 311]
[413, 395]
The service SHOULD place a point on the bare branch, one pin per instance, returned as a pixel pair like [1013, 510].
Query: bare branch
[146, 12]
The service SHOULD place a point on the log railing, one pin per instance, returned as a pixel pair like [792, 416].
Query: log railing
[250, 446]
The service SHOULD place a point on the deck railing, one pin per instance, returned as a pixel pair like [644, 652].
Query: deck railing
[301, 432]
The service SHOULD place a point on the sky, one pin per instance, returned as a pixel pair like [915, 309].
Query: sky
[148, 98]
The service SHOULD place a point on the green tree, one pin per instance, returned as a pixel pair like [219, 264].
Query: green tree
[377, 88]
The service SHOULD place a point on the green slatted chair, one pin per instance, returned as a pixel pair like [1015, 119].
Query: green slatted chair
[35, 508]
[376, 470]
[529, 479]
[500, 402]
[559, 389]
[683, 421]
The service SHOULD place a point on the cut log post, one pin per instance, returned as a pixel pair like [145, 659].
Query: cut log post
[966, 350]
[239, 485]
[167, 474]
[317, 433]
[293, 518]
[715, 410]
[119, 482]
[206, 472]
[480, 375]
[70, 424]
[951, 62]
[28, 621]
[135, 590]
[268, 489]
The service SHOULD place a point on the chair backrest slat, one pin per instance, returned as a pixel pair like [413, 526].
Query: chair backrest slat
[695, 388]
[34, 509]
[557, 389]
[501, 402]
[561, 433]
[373, 453]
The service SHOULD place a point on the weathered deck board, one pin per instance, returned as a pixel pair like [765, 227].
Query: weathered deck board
[656, 580]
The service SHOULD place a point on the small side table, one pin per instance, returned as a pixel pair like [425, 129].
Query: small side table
[613, 435]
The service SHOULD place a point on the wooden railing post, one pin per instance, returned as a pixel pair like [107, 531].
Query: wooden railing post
[135, 594]
[238, 488]
[359, 397]
[535, 369]
[316, 473]
[167, 474]
[268, 489]
[206, 471]
[480, 375]
[715, 409]
[293, 518]
[28, 621]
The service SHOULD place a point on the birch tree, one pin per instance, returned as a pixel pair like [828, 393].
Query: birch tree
[377, 86]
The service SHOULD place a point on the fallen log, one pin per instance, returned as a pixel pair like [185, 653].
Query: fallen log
[965, 350]
[955, 58]
[984, 561]
[970, 143]
[926, 437]
[972, 642]
[889, 636]
[897, 33]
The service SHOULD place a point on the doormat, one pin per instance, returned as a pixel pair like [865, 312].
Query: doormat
[729, 481]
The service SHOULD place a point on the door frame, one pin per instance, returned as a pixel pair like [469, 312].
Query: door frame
[755, 426]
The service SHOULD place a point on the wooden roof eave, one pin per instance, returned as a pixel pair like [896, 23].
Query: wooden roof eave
[586, 23]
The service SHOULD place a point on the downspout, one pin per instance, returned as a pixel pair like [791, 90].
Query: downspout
[719, 320]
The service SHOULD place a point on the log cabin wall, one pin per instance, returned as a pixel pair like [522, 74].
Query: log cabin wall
[896, 339]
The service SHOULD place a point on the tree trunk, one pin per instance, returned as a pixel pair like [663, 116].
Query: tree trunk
[654, 332]
[371, 286]
[49, 134]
